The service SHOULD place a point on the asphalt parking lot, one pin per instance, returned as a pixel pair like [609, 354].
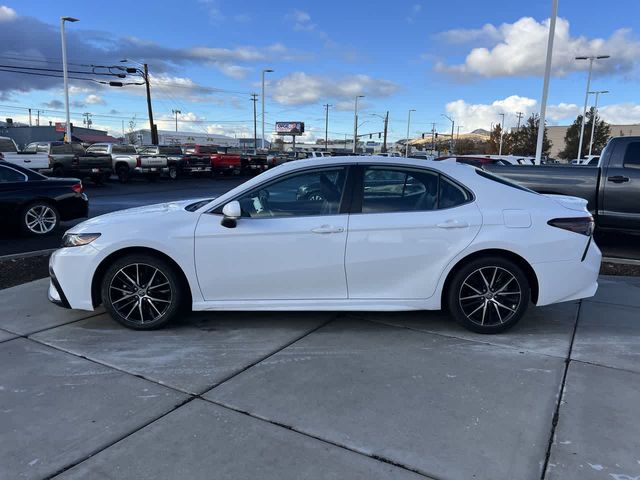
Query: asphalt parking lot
[321, 395]
[114, 196]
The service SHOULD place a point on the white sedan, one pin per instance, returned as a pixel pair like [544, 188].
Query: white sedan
[342, 233]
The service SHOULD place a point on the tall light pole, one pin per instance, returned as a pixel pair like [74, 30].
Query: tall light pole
[595, 116]
[586, 96]
[406, 149]
[355, 124]
[67, 137]
[501, 133]
[266, 70]
[545, 87]
[385, 119]
[326, 127]
[452, 125]
[458, 132]
[176, 113]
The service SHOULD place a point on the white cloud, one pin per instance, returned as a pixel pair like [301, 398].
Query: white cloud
[7, 14]
[481, 115]
[234, 71]
[488, 33]
[300, 88]
[94, 100]
[519, 49]
[301, 21]
[416, 8]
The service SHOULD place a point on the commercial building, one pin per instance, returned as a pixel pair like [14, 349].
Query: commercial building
[169, 137]
[24, 134]
[556, 134]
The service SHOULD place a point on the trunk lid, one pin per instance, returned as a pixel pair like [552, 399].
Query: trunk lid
[572, 203]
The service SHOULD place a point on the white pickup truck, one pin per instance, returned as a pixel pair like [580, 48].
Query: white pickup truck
[35, 160]
[127, 162]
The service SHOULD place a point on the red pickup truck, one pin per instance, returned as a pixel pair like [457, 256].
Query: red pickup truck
[222, 159]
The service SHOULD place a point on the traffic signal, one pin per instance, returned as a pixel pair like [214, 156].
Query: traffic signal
[436, 134]
[423, 136]
[379, 135]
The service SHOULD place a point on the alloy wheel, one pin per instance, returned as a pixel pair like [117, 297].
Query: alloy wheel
[140, 293]
[490, 296]
[41, 219]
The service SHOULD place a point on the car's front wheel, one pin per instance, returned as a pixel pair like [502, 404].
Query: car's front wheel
[142, 292]
[489, 295]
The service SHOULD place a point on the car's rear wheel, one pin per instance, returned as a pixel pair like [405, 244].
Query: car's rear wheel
[39, 218]
[489, 295]
[173, 172]
[123, 173]
[142, 292]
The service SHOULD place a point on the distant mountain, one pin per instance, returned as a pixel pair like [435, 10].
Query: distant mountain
[481, 131]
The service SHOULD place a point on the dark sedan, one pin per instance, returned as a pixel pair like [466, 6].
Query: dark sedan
[36, 204]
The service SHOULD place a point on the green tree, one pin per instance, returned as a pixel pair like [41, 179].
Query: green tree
[493, 145]
[572, 137]
[466, 146]
[524, 140]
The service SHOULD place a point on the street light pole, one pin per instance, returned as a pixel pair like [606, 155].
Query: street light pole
[452, 125]
[406, 150]
[545, 87]
[586, 97]
[595, 117]
[326, 127]
[267, 70]
[176, 112]
[67, 137]
[355, 124]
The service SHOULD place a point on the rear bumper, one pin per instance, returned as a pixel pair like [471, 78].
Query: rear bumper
[149, 170]
[569, 280]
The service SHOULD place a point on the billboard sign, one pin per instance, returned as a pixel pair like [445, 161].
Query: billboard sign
[289, 128]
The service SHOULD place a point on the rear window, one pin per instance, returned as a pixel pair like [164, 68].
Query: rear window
[7, 145]
[60, 149]
[207, 149]
[632, 155]
[171, 150]
[502, 180]
[98, 149]
[123, 149]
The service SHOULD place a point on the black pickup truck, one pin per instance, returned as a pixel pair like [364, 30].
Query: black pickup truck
[71, 160]
[612, 188]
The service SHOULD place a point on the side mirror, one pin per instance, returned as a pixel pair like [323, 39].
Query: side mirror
[231, 212]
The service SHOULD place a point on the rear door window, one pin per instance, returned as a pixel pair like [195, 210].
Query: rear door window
[60, 149]
[632, 155]
[9, 175]
[7, 145]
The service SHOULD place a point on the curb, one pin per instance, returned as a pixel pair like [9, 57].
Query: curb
[620, 261]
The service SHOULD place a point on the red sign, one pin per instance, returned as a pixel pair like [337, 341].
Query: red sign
[61, 126]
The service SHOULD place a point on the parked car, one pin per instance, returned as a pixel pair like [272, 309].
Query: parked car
[254, 163]
[611, 189]
[475, 161]
[275, 158]
[316, 154]
[33, 160]
[177, 163]
[71, 160]
[127, 162]
[458, 237]
[36, 204]
[223, 160]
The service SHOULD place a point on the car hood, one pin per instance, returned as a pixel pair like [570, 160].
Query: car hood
[141, 214]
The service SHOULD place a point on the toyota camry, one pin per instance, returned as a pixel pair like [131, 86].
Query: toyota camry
[342, 233]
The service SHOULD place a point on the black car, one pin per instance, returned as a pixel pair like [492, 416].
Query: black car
[36, 204]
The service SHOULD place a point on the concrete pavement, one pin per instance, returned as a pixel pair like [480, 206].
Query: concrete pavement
[321, 395]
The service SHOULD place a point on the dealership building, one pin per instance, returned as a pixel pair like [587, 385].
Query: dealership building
[24, 134]
[170, 137]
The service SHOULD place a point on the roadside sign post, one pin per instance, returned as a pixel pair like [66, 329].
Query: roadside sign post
[290, 128]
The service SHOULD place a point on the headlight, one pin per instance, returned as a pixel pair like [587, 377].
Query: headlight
[78, 239]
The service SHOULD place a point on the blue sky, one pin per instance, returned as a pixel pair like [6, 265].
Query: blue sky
[470, 60]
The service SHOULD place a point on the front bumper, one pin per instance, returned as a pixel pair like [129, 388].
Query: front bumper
[71, 273]
[569, 280]
[55, 293]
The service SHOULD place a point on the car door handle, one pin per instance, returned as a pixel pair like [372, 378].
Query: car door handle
[327, 229]
[452, 224]
[618, 179]
[27, 161]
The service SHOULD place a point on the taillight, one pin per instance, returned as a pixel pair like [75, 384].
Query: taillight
[581, 225]
[1, 156]
[138, 162]
[78, 188]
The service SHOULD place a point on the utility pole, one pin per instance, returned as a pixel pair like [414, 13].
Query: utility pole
[176, 113]
[458, 134]
[501, 133]
[38, 119]
[29, 117]
[254, 99]
[545, 85]
[154, 131]
[386, 126]
[433, 137]
[355, 124]
[87, 119]
[406, 148]
[519, 114]
[452, 124]
[326, 127]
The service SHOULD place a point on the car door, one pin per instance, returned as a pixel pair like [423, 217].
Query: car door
[289, 243]
[12, 185]
[406, 225]
[621, 184]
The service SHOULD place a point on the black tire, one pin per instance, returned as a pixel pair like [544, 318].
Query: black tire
[58, 171]
[97, 179]
[39, 218]
[488, 295]
[173, 172]
[124, 175]
[156, 311]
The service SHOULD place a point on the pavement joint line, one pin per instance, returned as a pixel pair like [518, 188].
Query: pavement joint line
[123, 437]
[324, 440]
[33, 253]
[26, 335]
[473, 340]
[269, 355]
[593, 364]
[610, 303]
[556, 414]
